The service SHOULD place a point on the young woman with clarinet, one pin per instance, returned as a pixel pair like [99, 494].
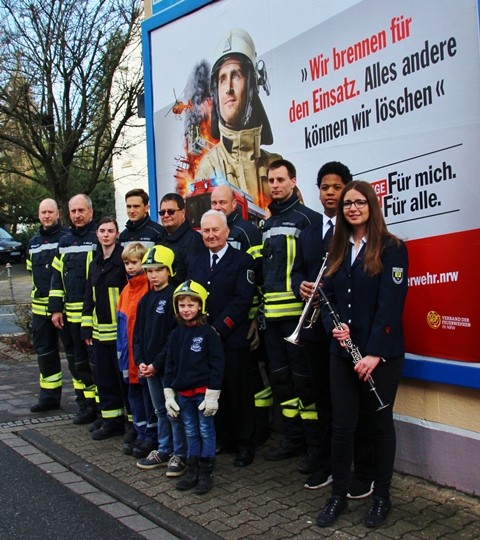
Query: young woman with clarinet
[365, 287]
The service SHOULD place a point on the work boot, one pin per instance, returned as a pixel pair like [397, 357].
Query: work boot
[311, 460]
[86, 414]
[143, 449]
[190, 479]
[205, 475]
[44, 406]
[108, 430]
[95, 424]
[287, 449]
[129, 441]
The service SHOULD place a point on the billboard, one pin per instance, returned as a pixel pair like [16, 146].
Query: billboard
[388, 88]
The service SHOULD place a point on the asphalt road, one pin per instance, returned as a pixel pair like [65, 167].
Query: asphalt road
[36, 506]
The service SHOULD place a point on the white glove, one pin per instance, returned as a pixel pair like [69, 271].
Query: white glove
[171, 405]
[209, 405]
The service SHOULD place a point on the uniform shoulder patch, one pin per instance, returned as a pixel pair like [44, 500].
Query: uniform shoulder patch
[397, 275]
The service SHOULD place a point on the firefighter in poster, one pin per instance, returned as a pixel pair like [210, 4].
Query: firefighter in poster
[238, 118]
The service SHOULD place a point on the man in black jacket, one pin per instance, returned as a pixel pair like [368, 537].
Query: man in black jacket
[41, 251]
[184, 241]
[75, 251]
[140, 227]
[289, 374]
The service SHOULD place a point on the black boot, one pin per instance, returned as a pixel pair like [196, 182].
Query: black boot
[205, 475]
[87, 413]
[190, 479]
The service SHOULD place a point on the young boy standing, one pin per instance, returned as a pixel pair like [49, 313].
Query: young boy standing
[141, 408]
[155, 321]
[194, 372]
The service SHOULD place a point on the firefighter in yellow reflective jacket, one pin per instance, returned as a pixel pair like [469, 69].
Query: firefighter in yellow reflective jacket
[69, 274]
[289, 373]
[238, 118]
[41, 251]
[106, 279]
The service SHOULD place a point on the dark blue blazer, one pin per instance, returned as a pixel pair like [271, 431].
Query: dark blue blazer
[308, 260]
[230, 286]
[371, 306]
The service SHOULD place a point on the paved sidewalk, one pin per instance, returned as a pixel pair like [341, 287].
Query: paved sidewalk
[15, 284]
[266, 500]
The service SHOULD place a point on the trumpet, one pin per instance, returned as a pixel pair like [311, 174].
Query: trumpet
[352, 349]
[309, 315]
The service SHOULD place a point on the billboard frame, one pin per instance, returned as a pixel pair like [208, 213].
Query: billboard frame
[457, 373]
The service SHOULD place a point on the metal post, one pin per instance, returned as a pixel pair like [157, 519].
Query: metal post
[10, 281]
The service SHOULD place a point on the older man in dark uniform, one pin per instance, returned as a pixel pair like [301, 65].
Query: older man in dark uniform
[229, 277]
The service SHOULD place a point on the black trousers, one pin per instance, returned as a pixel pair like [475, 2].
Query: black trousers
[350, 396]
[110, 385]
[235, 420]
[290, 378]
[80, 362]
[317, 355]
[45, 343]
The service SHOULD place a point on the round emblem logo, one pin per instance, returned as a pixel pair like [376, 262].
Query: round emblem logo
[434, 319]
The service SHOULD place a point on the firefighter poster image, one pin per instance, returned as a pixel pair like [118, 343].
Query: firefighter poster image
[388, 88]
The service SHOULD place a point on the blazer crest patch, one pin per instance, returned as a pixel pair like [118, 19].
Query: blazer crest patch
[397, 275]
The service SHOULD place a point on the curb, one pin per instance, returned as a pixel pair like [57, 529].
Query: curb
[146, 506]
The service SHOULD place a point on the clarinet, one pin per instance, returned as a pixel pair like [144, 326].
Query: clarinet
[351, 348]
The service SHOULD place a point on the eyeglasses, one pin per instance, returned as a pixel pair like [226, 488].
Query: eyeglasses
[359, 204]
[169, 211]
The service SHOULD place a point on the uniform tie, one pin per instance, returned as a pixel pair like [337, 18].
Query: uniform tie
[328, 235]
[214, 262]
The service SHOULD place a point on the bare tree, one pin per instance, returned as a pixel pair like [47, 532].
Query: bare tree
[67, 88]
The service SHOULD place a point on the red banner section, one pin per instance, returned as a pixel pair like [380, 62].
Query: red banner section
[442, 311]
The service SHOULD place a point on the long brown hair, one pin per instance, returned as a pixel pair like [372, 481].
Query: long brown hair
[376, 232]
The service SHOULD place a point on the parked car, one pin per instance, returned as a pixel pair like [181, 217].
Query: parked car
[10, 249]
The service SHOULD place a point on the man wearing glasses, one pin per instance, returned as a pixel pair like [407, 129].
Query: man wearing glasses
[180, 237]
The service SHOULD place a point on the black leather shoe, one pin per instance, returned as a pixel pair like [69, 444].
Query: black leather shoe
[43, 407]
[286, 450]
[378, 512]
[243, 458]
[334, 507]
[107, 431]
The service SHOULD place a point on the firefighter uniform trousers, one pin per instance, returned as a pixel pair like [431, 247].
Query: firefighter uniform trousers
[291, 384]
[69, 272]
[45, 343]
[111, 388]
[289, 372]
[106, 278]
